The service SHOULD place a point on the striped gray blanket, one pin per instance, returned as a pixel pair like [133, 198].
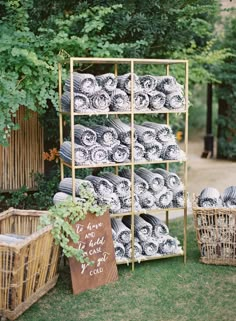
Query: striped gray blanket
[168, 245]
[154, 180]
[123, 130]
[174, 100]
[150, 246]
[81, 102]
[100, 101]
[137, 249]
[81, 153]
[171, 151]
[142, 229]
[178, 196]
[124, 83]
[119, 250]
[101, 185]
[153, 151]
[141, 101]
[145, 135]
[163, 132]
[148, 83]
[209, 197]
[62, 197]
[146, 200]
[81, 186]
[123, 233]
[159, 228]
[229, 197]
[84, 135]
[113, 202]
[167, 84]
[139, 152]
[98, 154]
[156, 100]
[121, 184]
[140, 185]
[106, 136]
[107, 81]
[119, 153]
[172, 180]
[164, 198]
[83, 83]
[119, 101]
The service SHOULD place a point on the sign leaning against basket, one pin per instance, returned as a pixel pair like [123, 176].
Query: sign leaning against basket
[95, 239]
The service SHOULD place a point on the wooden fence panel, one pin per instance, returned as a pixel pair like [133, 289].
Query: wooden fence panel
[24, 153]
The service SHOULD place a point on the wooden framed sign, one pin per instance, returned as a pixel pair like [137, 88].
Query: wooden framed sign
[96, 240]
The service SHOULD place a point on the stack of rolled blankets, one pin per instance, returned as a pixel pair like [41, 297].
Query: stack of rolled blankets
[111, 143]
[151, 237]
[107, 92]
[211, 197]
[156, 189]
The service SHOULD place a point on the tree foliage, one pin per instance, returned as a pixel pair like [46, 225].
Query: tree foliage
[34, 37]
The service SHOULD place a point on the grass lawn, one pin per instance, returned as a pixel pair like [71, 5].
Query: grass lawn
[160, 290]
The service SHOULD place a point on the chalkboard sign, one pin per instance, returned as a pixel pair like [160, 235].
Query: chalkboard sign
[96, 240]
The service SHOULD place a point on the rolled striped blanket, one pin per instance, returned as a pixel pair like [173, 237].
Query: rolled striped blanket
[145, 135]
[140, 185]
[150, 247]
[119, 250]
[146, 200]
[209, 197]
[168, 245]
[107, 81]
[114, 237]
[174, 100]
[81, 102]
[81, 153]
[118, 153]
[123, 233]
[163, 198]
[153, 151]
[172, 180]
[84, 135]
[123, 130]
[141, 101]
[163, 132]
[139, 151]
[142, 229]
[112, 200]
[83, 83]
[171, 151]
[137, 249]
[124, 83]
[81, 186]
[101, 185]
[126, 203]
[154, 180]
[62, 197]
[166, 84]
[119, 101]
[229, 197]
[121, 184]
[178, 196]
[156, 100]
[106, 136]
[148, 83]
[100, 101]
[159, 228]
[98, 154]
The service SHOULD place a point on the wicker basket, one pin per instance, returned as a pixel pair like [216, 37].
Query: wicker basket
[28, 269]
[216, 234]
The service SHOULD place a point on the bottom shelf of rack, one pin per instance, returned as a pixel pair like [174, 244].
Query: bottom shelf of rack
[147, 258]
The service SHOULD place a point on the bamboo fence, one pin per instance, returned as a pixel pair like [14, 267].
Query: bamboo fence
[24, 153]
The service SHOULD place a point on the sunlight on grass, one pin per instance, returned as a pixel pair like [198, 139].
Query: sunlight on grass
[161, 290]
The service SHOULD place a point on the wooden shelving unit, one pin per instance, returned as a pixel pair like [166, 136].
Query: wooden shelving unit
[131, 63]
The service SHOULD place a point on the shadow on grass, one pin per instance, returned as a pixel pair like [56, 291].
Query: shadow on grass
[159, 290]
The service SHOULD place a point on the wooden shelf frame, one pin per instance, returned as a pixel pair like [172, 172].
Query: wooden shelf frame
[132, 62]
